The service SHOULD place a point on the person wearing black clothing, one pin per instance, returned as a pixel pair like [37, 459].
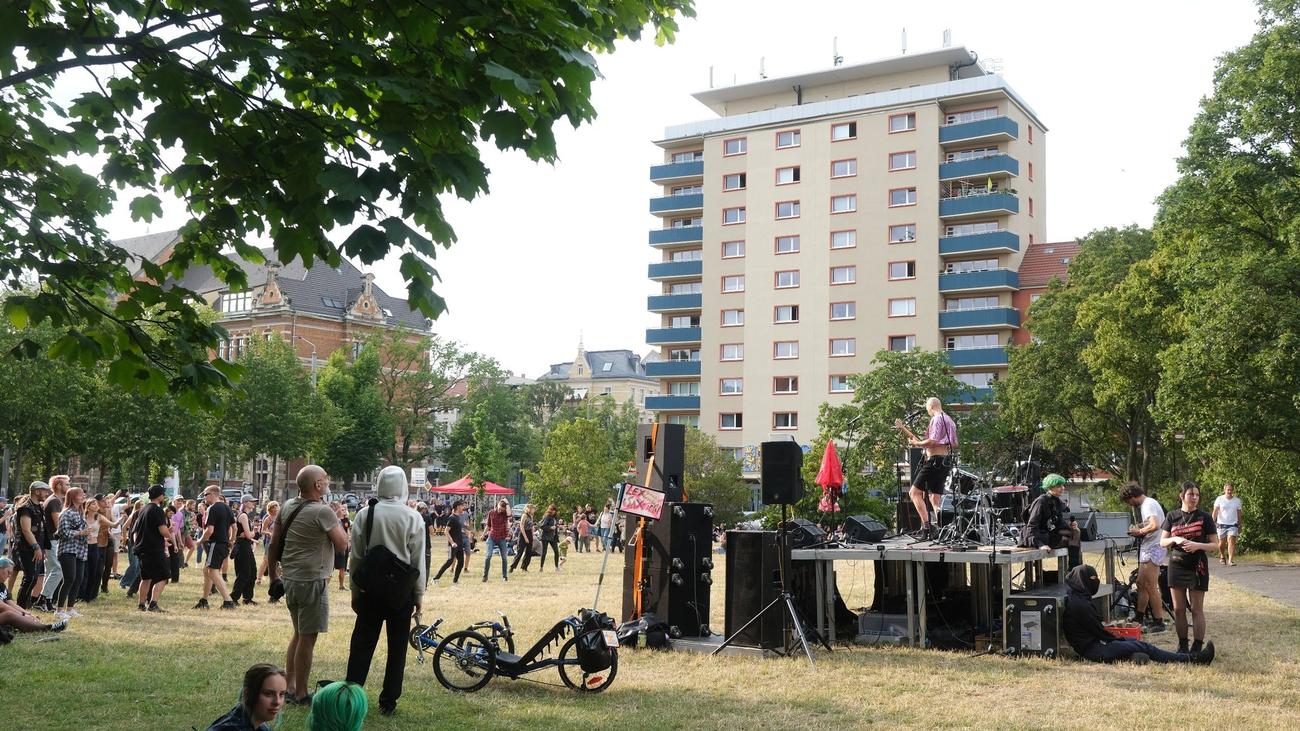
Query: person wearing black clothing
[550, 526]
[216, 536]
[30, 541]
[1081, 624]
[245, 561]
[455, 543]
[1046, 528]
[153, 535]
[524, 548]
[1190, 535]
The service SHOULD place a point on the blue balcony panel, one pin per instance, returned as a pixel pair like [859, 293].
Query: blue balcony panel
[677, 203]
[676, 171]
[997, 128]
[992, 279]
[993, 166]
[993, 241]
[670, 236]
[674, 302]
[992, 317]
[974, 395]
[997, 204]
[977, 357]
[672, 335]
[672, 368]
[676, 269]
[672, 403]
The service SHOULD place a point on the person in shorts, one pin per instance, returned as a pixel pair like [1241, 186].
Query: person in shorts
[1227, 516]
[1190, 535]
[218, 522]
[939, 443]
[153, 534]
[1151, 555]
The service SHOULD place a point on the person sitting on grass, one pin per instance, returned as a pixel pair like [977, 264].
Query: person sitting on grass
[12, 615]
[260, 701]
[339, 706]
[1082, 627]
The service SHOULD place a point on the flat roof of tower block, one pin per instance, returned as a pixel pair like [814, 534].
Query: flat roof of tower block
[713, 98]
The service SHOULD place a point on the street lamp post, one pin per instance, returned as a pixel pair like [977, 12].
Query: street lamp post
[1178, 439]
[313, 358]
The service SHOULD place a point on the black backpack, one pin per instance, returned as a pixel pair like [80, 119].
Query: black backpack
[382, 576]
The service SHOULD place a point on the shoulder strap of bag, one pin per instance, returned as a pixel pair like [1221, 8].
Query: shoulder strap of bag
[370, 520]
[277, 545]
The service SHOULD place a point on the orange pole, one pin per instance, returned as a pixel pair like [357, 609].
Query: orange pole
[640, 529]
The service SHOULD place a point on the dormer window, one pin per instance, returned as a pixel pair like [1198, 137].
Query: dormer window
[607, 367]
[232, 302]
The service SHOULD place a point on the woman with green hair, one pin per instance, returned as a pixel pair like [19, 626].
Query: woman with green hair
[1046, 528]
[339, 706]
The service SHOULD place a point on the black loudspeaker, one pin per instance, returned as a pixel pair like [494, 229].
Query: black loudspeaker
[803, 533]
[782, 472]
[753, 575]
[668, 447]
[678, 569]
[914, 457]
[864, 529]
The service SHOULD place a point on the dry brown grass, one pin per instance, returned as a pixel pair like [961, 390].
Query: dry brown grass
[119, 669]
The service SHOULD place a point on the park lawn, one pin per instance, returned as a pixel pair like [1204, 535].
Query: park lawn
[119, 669]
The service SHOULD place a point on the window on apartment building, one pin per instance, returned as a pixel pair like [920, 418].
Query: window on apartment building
[681, 355]
[844, 239]
[969, 342]
[733, 283]
[685, 419]
[732, 216]
[902, 270]
[902, 233]
[684, 321]
[606, 391]
[785, 420]
[844, 168]
[734, 181]
[971, 115]
[843, 347]
[686, 189]
[785, 349]
[840, 384]
[787, 278]
[731, 421]
[844, 310]
[1034, 298]
[686, 222]
[787, 175]
[692, 156]
[684, 388]
[970, 229]
[356, 350]
[785, 384]
[731, 386]
[787, 209]
[1031, 206]
[844, 275]
[1031, 133]
[902, 343]
[976, 380]
[844, 203]
[975, 153]
[787, 138]
[1031, 172]
[902, 160]
[731, 351]
[733, 249]
[785, 313]
[787, 244]
[733, 318]
[902, 197]
[970, 265]
[841, 131]
[970, 303]
[902, 307]
[734, 146]
[236, 302]
[686, 288]
[688, 255]
[902, 122]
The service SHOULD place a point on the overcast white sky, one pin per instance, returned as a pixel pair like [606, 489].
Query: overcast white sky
[557, 251]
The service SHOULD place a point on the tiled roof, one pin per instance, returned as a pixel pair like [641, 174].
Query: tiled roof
[146, 247]
[621, 364]
[1044, 262]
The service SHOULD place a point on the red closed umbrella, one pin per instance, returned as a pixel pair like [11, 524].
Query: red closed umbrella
[831, 478]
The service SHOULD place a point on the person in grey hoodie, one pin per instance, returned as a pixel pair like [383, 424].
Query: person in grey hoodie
[401, 530]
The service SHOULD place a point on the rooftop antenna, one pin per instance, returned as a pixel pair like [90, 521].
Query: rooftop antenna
[947, 37]
[904, 41]
[836, 58]
[762, 67]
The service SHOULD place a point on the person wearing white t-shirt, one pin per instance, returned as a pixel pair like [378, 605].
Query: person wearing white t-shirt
[1151, 556]
[1227, 516]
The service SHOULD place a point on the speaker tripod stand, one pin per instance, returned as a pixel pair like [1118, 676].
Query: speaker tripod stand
[799, 640]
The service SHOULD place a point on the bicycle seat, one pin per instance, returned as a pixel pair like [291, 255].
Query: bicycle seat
[507, 662]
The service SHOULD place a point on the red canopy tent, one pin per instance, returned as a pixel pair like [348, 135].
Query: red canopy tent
[463, 486]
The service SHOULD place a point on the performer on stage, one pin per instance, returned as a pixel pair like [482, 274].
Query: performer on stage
[1046, 527]
[939, 443]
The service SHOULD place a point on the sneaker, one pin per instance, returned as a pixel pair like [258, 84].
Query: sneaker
[1205, 656]
[1182, 646]
[203, 604]
[1197, 646]
[130, 594]
[387, 710]
[1223, 561]
[1154, 626]
[43, 605]
[59, 626]
[143, 608]
[62, 616]
[249, 602]
[153, 607]
[229, 605]
[74, 613]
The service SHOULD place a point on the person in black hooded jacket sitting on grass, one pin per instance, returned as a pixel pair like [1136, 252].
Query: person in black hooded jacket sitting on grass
[1081, 624]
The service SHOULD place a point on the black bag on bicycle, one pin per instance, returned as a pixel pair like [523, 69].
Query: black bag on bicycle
[382, 576]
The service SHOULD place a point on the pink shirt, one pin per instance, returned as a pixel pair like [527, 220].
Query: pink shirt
[941, 430]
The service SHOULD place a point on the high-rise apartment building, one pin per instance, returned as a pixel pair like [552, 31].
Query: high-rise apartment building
[823, 217]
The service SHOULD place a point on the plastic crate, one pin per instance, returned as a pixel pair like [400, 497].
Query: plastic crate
[1125, 631]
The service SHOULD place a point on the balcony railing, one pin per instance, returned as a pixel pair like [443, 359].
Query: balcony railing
[672, 368]
[973, 395]
[978, 357]
[672, 403]
[673, 302]
[989, 241]
[683, 235]
[677, 203]
[991, 317]
[989, 279]
[676, 171]
[979, 204]
[997, 128]
[676, 269]
[672, 335]
[990, 166]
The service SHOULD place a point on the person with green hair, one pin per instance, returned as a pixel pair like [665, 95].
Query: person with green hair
[1046, 528]
[339, 706]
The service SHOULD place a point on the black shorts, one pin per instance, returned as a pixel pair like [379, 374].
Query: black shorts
[154, 566]
[933, 474]
[1185, 578]
[217, 555]
[340, 560]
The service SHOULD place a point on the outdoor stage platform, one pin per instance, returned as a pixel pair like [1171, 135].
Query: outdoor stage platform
[976, 569]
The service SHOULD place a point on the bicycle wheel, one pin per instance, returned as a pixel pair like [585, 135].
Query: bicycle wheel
[464, 661]
[574, 677]
[497, 636]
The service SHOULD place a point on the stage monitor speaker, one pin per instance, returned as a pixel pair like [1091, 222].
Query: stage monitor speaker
[864, 529]
[803, 533]
[668, 448]
[782, 472]
[753, 576]
[678, 569]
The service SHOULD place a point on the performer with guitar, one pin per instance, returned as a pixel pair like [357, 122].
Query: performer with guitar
[939, 443]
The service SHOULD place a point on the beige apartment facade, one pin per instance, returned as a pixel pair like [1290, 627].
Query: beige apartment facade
[824, 217]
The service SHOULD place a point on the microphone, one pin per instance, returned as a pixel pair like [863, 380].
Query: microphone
[915, 414]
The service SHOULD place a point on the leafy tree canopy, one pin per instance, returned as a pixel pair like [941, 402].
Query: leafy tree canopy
[576, 466]
[712, 475]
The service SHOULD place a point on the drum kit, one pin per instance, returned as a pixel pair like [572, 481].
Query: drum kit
[975, 512]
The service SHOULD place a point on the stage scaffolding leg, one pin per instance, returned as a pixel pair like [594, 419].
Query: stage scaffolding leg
[821, 608]
[1006, 593]
[920, 603]
[911, 604]
[830, 601]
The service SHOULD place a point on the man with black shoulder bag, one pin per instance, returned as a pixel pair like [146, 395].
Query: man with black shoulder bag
[387, 574]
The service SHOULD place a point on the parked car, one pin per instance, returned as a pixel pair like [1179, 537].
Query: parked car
[519, 510]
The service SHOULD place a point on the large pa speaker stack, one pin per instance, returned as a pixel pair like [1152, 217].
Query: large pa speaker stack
[668, 447]
[678, 569]
[753, 576]
[781, 472]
